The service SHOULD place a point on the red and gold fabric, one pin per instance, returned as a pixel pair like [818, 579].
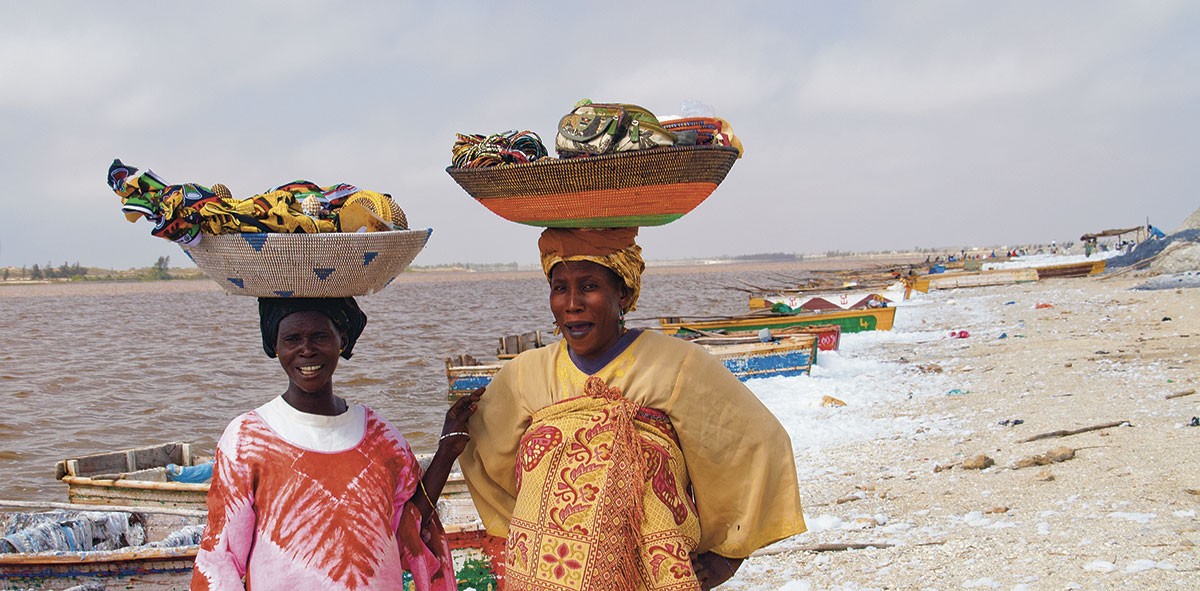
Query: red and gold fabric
[590, 470]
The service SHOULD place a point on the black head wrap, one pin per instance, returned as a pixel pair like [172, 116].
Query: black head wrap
[344, 313]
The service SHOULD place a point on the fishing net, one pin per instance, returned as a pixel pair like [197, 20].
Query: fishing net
[72, 531]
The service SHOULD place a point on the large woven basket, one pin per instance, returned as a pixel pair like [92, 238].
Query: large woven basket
[636, 188]
[307, 265]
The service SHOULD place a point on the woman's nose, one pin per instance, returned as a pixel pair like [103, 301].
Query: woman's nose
[574, 299]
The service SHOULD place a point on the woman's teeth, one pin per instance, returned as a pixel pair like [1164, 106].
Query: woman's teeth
[310, 369]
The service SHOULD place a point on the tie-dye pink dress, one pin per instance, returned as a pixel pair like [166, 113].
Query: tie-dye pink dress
[284, 517]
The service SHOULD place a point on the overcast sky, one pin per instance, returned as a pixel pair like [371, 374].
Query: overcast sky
[867, 125]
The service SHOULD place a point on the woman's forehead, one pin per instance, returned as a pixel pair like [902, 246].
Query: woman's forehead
[581, 269]
[306, 320]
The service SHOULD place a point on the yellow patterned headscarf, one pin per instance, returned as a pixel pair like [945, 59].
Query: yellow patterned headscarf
[611, 247]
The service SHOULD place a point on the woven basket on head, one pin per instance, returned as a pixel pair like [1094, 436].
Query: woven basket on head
[636, 188]
[307, 265]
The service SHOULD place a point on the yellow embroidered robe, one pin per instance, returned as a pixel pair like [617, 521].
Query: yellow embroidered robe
[731, 451]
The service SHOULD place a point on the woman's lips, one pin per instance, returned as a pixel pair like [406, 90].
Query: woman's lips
[578, 329]
[309, 370]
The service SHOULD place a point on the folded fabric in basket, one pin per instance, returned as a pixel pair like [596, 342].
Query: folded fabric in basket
[183, 212]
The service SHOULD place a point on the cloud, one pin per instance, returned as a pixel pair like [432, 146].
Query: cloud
[930, 57]
[866, 124]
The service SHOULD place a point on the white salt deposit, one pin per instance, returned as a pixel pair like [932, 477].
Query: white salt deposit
[923, 400]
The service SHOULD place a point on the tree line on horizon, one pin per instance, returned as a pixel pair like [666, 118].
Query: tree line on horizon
[159, 270]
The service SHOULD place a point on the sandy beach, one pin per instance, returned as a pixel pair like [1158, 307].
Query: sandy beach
[940, 484]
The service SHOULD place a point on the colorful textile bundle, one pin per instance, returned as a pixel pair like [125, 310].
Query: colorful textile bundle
[180, 213]
[509, 147]
[710, 131]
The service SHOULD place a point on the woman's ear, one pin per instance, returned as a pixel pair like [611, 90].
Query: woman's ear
[626, 295]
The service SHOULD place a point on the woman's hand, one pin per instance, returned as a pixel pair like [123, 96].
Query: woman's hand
[713, 569]
[454, 431]
[450, 445]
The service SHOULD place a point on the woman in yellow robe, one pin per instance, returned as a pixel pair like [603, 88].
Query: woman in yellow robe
[622, 458]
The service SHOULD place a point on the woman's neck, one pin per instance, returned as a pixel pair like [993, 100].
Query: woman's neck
[315, 403]
[597, 362]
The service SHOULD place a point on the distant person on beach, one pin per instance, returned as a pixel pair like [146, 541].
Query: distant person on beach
[311, 491]
[619, 458]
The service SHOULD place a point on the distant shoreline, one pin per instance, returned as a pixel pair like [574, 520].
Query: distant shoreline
[66, 287]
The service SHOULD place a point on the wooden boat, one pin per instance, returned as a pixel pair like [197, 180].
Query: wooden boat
[849, 321]
[829, 336]
[136, 477]
[927, 283]
[141, 566]
[818, 303]
[466, 374]
[746, 357]
[1084, 269]
[749, 359]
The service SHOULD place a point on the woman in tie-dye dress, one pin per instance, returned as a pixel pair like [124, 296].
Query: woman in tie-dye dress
[313, 492]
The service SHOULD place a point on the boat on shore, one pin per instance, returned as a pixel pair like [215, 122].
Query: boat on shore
[829, 336]
[150, 548]
[817, 303]
[849, 321]
[136, 477]
[927, 283]
[752, 357]
[1083, 269]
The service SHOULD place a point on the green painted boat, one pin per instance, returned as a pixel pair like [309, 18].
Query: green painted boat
[850, 321]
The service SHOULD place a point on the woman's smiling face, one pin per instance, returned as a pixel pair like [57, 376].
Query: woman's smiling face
[308, 346]
[586, 299]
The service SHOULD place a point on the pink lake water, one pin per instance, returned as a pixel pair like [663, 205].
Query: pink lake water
[96, 367]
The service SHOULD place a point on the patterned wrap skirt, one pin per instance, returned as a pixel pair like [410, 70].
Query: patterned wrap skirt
[603, 500]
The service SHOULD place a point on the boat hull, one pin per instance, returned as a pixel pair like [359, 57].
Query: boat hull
[134, 477]
[465, 379]
[141, 568]
[849, 321]
[1083, 269]
[927, 283]
[792, 356]
[829, 336]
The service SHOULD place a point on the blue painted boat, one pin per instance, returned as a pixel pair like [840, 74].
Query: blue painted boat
[785, 357]
[467, 377]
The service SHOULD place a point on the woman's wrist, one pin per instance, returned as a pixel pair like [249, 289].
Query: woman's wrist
[453, 434]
